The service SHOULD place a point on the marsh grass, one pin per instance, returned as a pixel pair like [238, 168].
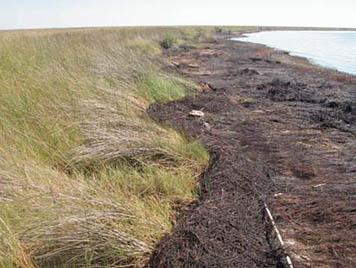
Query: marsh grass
[87, 178]
[161, 88]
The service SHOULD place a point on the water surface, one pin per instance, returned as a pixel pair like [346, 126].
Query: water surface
[331, 49]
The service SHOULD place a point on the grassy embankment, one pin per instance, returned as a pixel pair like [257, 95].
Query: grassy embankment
[87, 178]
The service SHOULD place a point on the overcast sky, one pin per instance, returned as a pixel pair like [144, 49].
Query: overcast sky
[24, 14]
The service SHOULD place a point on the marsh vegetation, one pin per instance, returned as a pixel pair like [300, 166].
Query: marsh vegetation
[87, 178]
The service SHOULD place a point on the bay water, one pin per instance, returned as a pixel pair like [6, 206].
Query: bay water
[331, 49]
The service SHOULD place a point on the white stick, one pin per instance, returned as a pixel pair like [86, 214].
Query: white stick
[289, 261]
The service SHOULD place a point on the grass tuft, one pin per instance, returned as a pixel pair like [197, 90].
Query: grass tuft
[160, 88]
[169, 40]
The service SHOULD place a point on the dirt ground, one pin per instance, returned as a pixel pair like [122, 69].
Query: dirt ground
[280, 131]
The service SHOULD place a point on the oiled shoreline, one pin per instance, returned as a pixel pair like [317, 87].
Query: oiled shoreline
[283, 131]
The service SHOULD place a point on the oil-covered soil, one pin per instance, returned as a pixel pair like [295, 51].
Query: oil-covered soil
[280, 131]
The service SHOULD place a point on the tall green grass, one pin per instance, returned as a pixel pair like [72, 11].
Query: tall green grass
[87, 178]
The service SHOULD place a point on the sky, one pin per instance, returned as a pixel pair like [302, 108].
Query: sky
[29, 14]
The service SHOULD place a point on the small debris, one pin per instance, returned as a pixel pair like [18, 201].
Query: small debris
[248, 71]
[207, 125]
[196, 113]
[208, 52]
[205, 86]
[193, 65]
[174, 63]
[319, 185]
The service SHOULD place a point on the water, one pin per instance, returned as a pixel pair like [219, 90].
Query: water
[336, 50]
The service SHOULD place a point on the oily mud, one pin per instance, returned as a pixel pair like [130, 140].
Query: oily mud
[281, 132]
[227, 227]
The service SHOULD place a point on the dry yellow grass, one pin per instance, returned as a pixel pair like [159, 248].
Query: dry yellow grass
[87, 178]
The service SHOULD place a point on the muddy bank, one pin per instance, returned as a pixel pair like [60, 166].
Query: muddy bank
[281, 131]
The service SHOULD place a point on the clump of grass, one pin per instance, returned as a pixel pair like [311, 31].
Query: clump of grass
[196, 33]
[160, 88]
[218, 29]
[87, 178]
[169, 40]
